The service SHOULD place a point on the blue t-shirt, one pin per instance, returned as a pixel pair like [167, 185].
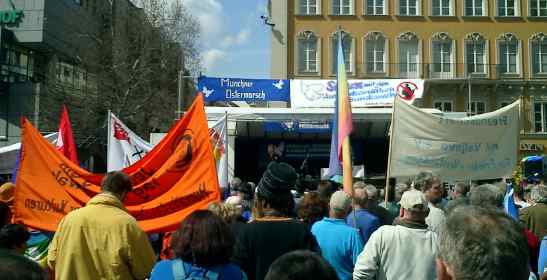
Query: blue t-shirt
[367, 223]
[340, 245]
[163, 270]
[542, 260]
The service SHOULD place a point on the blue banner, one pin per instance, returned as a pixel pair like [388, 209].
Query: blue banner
[249, 90]
[296, 126]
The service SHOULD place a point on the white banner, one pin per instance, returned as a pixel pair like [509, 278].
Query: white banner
[363, 93]
[472, 148]
[219, 141]
[124, 146]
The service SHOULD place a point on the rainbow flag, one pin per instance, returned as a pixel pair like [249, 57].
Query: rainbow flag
[345, 121]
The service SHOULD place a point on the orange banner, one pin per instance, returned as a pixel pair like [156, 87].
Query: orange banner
[178, 178]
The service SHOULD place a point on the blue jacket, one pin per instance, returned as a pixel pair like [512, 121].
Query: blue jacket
[163, 270]
[367, 223]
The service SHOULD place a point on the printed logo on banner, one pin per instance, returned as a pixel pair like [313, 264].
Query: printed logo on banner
[406, 90]
[363, 93]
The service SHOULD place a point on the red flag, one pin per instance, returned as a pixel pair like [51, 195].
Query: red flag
[65, 141]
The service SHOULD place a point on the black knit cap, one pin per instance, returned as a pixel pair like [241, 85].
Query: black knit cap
[278, 179]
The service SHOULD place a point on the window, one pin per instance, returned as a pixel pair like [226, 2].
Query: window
[475, 8]
[309, 7]
[538, 44]
[444, 106]
[475, 54]
[408, 55]
[441, 7]
[477, 107]
[308, 53]
[508, 8]
[508, 49]
[538, 8]
[409, 8]
[375, 7]
[347, 48]
[540, 116]
[342, 7]
[375, 52]
[441, 55]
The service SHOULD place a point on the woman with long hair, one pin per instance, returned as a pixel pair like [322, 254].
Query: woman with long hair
[203, 246]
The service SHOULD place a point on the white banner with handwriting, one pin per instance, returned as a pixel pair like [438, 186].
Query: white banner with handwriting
[363, 93]
[472, 148]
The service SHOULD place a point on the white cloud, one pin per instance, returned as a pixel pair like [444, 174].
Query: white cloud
[209, 15]
[243, 36]
[239, 39]
[212, 57]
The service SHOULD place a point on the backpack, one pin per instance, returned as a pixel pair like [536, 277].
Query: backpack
[194, 273]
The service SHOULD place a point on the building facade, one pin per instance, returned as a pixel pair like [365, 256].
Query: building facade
[492, 52]
[42, 51]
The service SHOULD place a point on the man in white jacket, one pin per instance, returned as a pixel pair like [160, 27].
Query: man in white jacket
[406, 250]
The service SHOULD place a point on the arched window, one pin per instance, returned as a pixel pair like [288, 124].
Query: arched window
[538, 52]
[347, 48]
[476, 56]
[375, 52]
[442, 55]
[508, 54]
[409, 55]
[308, 55]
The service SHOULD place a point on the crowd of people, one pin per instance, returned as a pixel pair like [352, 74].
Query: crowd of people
[288, 228]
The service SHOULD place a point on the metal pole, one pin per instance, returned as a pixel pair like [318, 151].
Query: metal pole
[37, 106]
[469, 98]
[179, 95]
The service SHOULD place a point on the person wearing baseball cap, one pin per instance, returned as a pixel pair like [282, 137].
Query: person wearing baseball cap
[391, 251]
[340, 243]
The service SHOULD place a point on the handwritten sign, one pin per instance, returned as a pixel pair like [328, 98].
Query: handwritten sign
[363, 93]
[473, 148]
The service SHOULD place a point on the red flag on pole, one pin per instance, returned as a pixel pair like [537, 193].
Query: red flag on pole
[65, 141]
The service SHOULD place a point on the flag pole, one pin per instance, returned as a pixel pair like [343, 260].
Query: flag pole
[388, 171]
[108, 136]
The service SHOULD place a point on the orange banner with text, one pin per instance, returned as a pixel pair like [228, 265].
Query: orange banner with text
[178, 178]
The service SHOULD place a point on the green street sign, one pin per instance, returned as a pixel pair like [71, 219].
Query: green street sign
[11, 17]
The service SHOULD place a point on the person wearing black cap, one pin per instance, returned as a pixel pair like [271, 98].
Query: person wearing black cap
[271, 233]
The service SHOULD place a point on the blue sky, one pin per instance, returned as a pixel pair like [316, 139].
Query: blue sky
[234, 41]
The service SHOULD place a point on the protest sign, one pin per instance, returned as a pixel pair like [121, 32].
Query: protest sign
[472, 148]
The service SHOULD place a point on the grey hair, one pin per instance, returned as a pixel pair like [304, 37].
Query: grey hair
[235, 182]
[371, 190]
[482, 243]
[461, 188]
[486, 195]
[359, 185]
[538, 193]
[424, 180]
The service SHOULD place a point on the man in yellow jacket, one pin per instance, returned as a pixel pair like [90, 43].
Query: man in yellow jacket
[101, 240]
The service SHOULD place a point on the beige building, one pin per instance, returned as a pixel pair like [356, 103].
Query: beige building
[497, 46]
